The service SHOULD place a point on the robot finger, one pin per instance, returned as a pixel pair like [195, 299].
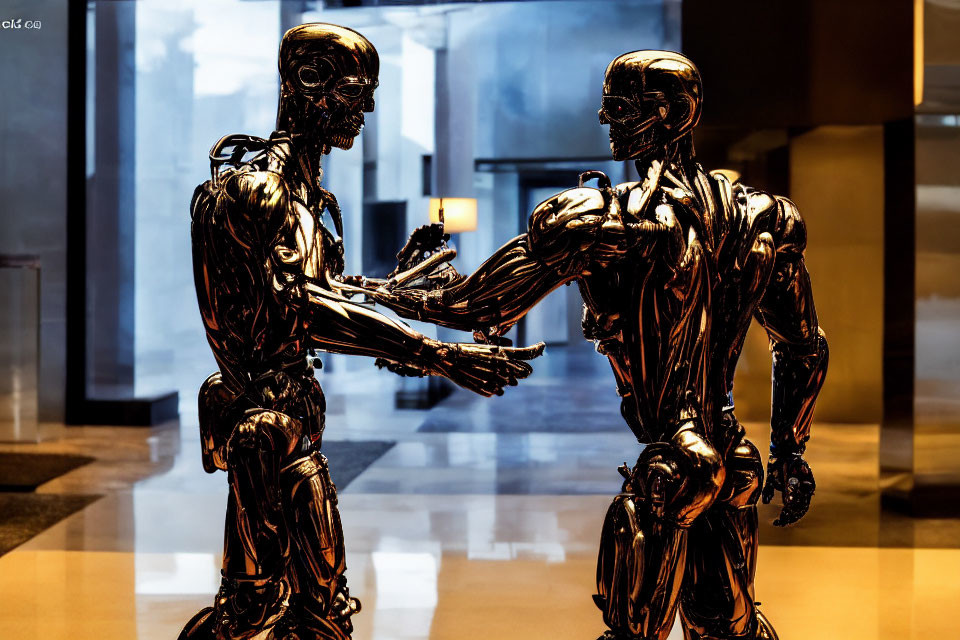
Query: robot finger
[524, 353]
[769, 489]
[518, 371]
[796, 502]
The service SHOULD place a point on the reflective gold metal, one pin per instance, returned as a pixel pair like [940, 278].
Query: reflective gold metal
[671, 269]
[263, 264]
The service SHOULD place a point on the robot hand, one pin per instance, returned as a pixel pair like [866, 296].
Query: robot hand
[481, 368]
[424, 261]
[790, 475]
[408, 302]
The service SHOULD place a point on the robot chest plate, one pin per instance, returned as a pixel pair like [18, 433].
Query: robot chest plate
[321, 250]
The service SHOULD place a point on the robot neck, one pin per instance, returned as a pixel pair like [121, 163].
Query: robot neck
[684, 158]
[304, 162]
[295, 118]
[678, 156]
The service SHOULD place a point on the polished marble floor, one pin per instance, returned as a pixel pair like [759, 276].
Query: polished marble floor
[461, 532]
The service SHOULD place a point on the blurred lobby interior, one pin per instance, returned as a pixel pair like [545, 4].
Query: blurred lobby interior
[467, 517]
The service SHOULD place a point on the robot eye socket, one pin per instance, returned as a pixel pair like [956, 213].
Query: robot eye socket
[618, 108]
[353, 89]
[309, 77]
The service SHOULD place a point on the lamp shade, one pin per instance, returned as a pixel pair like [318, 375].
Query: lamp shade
[459, 214]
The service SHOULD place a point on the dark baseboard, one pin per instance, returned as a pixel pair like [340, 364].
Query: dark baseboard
[925, 502]
[135, 411]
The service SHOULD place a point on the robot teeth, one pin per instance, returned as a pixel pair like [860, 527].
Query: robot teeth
[341, 140]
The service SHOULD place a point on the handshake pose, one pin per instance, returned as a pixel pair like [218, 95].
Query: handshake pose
[672, 269]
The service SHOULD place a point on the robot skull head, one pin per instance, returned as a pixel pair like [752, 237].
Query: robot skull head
[650, 100]
[328, 75]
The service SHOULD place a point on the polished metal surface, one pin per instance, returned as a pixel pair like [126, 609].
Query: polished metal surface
[262, 263]
[672, 269]
[920, 443]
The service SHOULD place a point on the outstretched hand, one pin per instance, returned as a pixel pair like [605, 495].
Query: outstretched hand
[481, 368]
[792, 477]
[486, 369]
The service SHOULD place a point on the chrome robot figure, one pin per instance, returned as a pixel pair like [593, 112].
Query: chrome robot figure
[671, 270]
[263, 262]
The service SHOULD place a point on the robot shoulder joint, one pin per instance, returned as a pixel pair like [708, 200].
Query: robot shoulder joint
[790, 234]
[569, 211]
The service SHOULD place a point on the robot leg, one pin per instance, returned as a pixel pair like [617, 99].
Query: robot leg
[644, 541]
[324, 605]
[717, 601]
[639, 570]
[254, 591]
[220, 409]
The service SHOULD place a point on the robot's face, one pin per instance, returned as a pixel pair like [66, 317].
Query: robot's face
[650, 99]
[331, 73]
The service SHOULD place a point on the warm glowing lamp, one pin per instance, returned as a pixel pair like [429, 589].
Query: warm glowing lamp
[457, 214]
[918, 61]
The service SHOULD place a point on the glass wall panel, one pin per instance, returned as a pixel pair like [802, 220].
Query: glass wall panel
[484, 100]
[937, 404]
[203, 70]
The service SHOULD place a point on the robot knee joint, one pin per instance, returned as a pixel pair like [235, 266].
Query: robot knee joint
[216, 403]
[306, 468]
[681, 478]
[262, 430]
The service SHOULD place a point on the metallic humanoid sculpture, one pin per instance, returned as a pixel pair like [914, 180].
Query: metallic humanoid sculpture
[671, 270]
[263, 261]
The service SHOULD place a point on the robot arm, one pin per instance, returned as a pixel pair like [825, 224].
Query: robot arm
[568, 235]
[258, 216]
[800, 357]
[341, 326]
[338, 325]
[490, 301]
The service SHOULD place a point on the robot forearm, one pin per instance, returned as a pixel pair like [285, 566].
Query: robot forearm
[491, 300]
[344, 327]
[798, 373]
[341, 326]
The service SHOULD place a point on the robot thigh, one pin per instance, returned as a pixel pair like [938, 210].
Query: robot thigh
[717, 597]
[644, 541]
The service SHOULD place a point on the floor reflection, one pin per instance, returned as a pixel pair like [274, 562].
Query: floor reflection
[484, 533]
